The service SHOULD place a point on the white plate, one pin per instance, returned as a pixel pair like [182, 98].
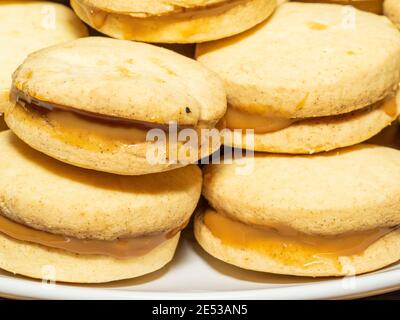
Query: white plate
[195, 275]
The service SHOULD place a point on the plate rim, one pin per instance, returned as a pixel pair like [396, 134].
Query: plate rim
[367, 285]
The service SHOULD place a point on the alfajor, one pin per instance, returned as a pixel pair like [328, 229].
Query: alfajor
[391, 9]
[309, 79]
[87, 226]
[27, 26]
[127, 113]
[173, 21]
[330, 214]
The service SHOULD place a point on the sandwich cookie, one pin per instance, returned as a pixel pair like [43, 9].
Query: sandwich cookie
[308, 81]
[173, 21]
[392, 11]
[27, 26]
[87, 226]
[330, 214]
[82, 105]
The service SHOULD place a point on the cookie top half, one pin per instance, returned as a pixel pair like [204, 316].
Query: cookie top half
[124, 79]
[27, 26]
[352, 189]
[308, 60]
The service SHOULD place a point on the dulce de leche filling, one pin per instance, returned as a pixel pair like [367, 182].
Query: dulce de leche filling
[86, 130]
[82, 129]
[237, 119]
[89, 132]
[121, 248]
[289, 246]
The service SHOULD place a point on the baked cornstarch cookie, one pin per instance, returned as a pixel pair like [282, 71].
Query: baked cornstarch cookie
[173, 21]
[330, 214]
[87, 226]
[391, 9]
[78, 103]
[27, 26]
[308, 81]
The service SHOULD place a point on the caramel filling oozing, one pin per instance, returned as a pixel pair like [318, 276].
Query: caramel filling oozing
[92, 131]
[289, 246]
[75, 127]
[375, 6]
[236, 119]
[121, 248]
[86, 132]
[100, 135]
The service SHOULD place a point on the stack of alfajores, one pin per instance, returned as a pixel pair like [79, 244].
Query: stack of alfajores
[313, 82]
[81, 196]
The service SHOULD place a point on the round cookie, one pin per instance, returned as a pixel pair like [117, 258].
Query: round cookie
[122, 97]
[330, 196]
[173, 21]
[308, 64]
[27, 26]
[306, 71]
[70, 202]
[391, 9]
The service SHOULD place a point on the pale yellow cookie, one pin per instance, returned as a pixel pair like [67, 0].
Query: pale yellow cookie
[329, 214]
[81, 105]
[173, 21]
[55, 197]
[306, 62]
[309, 61]
[138, 82]
[27, 26]
[349, 189]
[86, 225]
